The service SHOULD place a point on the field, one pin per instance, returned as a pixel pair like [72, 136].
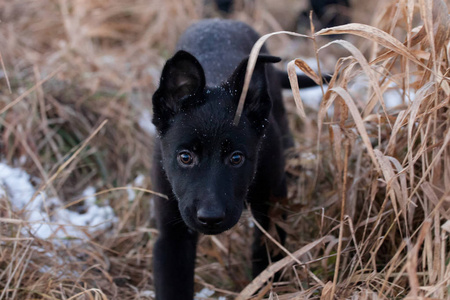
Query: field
[368, 214]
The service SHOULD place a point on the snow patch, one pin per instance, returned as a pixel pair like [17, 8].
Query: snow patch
[89, 195]
[204, 293]
[446, 226]
[393, 96]
[48, 217]
[145, 122]
[312, 96]
[138, 182]
[147, 294]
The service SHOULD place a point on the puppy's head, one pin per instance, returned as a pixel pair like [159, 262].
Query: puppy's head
[209, 162]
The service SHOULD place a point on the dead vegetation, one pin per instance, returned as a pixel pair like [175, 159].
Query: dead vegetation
[369, 207]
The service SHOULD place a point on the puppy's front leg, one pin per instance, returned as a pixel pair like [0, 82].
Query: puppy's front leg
[174, 254]
[261, 210]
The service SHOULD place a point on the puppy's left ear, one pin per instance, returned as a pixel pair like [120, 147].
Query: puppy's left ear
[257, 102]
[181, 78]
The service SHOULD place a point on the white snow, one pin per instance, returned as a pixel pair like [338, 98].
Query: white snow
[250, 222]
[89, 195]
[312, 96]
[204, 293]
[145, 122]
[358, 89]
[48, 217]
[131, 193]
[446, 226]
[22, 160]
[147, 294]
[392, 97]
[138, 182]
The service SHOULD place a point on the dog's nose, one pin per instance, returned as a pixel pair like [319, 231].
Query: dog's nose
[210, 217]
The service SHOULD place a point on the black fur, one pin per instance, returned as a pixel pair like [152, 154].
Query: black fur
[207, 166]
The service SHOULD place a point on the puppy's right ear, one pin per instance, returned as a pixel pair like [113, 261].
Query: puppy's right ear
[182, 77]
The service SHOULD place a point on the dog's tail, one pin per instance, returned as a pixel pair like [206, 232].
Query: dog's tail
[303, 80]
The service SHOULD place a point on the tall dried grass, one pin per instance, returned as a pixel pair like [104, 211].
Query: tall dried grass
[369, 199]
[387, 169]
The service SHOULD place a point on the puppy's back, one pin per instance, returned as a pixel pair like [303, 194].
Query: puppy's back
[219, 46]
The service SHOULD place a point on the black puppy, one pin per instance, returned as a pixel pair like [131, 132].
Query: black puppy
[205, 165]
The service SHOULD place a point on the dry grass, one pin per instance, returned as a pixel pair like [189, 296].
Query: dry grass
[369, 206]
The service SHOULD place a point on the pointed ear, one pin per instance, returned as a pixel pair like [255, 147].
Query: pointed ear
[257, 102]
[182, 77]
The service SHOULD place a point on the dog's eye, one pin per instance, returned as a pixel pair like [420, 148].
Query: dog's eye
[185, 158]
[236, 159]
